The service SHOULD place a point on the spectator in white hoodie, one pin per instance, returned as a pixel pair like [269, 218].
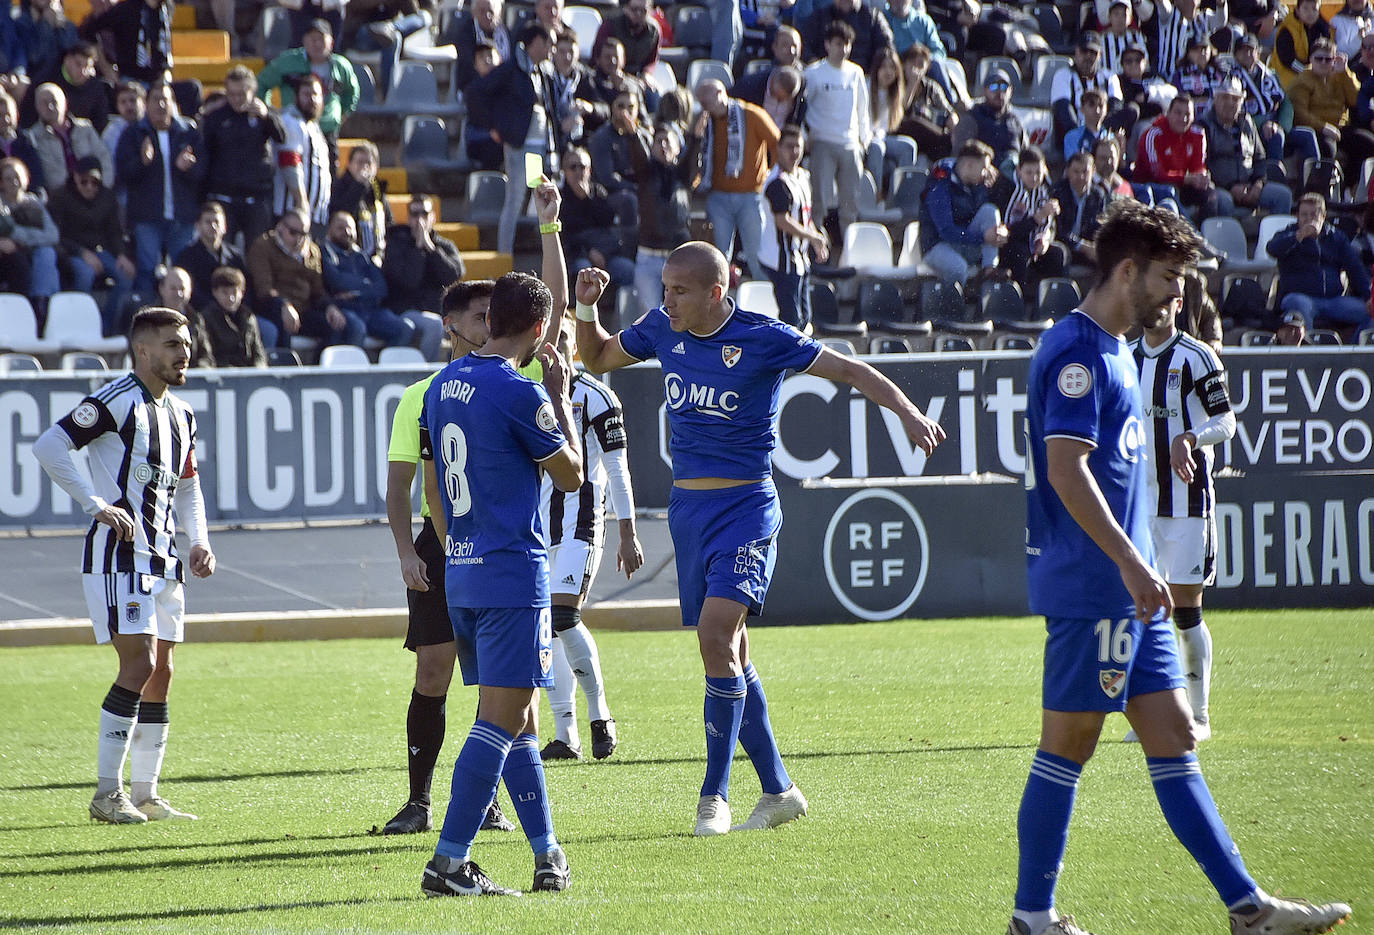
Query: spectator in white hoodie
[839, 124]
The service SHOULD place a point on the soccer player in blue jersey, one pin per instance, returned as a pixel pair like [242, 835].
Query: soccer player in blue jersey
[722, 369]
[486, 432]
[1090, 561]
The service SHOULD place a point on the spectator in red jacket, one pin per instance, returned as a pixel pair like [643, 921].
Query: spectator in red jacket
[1173, 151]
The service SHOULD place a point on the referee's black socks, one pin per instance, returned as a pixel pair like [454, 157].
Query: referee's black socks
[424, 738]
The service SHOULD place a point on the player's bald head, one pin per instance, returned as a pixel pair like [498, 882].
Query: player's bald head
[701, 261]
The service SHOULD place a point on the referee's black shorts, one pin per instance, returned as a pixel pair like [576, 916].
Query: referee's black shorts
[429, 620]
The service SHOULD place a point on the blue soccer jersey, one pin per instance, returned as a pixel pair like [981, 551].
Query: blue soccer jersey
[722, 389]
[485, 427]
[1083, 386]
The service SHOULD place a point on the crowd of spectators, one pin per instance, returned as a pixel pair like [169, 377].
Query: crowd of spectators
[114, 178]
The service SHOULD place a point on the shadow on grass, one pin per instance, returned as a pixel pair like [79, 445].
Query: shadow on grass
[114, 917]
[204, 860]
[181, 846]
[216, 777]
[799, 755]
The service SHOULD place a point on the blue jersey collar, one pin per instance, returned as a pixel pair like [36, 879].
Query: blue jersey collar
[731, 303]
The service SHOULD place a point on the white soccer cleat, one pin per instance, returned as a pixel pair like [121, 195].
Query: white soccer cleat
[775, 808]
[713, 816]
[115, 808]
[159, 809]
[1289, 917]
[1064, 926]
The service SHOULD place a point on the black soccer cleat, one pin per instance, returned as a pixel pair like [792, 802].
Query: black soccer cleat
[496, 819]
[603, 738]
[558, 750]
[551, 873]
[413, 818]
[467, 880]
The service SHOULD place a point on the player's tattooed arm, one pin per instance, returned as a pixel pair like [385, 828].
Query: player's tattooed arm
[922, 430]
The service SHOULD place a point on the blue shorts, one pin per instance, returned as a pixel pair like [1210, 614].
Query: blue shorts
[726, 543]
[511, 647]
[1099, 665]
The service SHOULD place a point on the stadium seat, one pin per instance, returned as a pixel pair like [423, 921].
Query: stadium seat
[1361, 193]
[82, 360]
[400, 356]
[425, 145]
[1046, 67]
[692, 28]
[1058, 296]
[704, 68]
[756, 295]
[14, 362]
[369, 101]
[1003, 303]
[869, 207]
[19, 326]
[1256, 338]
[1226, 235]
[628, 306]
[868, 248]
[1324, 336]
[1270, 225]
[344, 355]
[756, 65]
[1324, 177]
[74, 324]
[1366, 337]
[419, 47]
[662, 77]
[415, 90]
[486, 196]
[958, 79]
[1014, 342]
[273, 33]
[880, 306]
[909, 261]
[893, 346]
[951, 343]
[1052, 26]
[828, 319]
[840, 346]
[944, 304]
[586, 22]
[990, 63]
[908, 182]
[282, 357]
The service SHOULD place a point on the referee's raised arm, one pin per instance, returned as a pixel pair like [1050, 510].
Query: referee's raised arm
[600, 351]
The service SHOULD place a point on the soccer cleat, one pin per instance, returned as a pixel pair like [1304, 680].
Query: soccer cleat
[159, 809]
[775, 808]
[1065, 926]
[604, 739]
[413, 818]
[551, 873]
[496, 819]
[115, 808]
[1288, 917]
[713, 816]
[558, 750]
[467, 880]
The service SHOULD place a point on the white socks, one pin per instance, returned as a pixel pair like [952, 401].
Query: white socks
[586, 665]
[562, 697]
[145, 761]
[116, 734]
[1196, 643]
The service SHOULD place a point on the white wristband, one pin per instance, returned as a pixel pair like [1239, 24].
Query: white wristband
[586, 312]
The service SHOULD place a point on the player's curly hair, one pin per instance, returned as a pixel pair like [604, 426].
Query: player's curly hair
[518, 301]
[1134, 231]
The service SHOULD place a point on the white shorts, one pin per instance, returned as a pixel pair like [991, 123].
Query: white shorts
[1186, 547]
[572, 566]
[130, 604]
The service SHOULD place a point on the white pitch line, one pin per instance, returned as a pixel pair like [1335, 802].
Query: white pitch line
[41, 610]
[280, 587]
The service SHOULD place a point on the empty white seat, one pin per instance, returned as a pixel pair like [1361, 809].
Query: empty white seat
[344, 355]
[400, 356]
[74, 324]
[19, 326]
[756, 295]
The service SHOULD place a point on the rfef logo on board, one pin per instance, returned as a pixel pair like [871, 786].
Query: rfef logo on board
[876, 554]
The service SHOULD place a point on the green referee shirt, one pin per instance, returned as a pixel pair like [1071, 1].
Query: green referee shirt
[405, 424]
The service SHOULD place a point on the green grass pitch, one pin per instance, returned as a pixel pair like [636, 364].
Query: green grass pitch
[911, 739]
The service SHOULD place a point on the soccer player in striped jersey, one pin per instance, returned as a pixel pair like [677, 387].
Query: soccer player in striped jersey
[575, 526]
[723, 369]
[1187, 412]
[1090, 572]
[142, 446]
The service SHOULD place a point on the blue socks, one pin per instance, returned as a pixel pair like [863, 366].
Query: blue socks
[1192, 815]
[756, 736]
[524, 776]
[722, 712]
[1042, 829]
[475, 775]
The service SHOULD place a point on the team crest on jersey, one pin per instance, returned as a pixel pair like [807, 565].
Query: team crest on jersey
[545, 660]
[1175, 379]
[1113, 682]
[132, 611]
[731, 354]
[1075, 381]
[85, 415]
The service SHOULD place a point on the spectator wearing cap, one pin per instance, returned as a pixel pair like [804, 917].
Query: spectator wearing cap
[16, 144]
[1144, 95]
[1199, 74]
[1066, 91]
[1173, 151]
[305, 14]
[1324, 96]
[160, 163]
[739, 144]
[1320, 273]
[234, 336]
[1292, 330]
[1119, 36]
[60, 139]
[992, 121]
[1352, 22]
[1235, 157]
[141, 34]
[871, 31]
[839, 123]
[633, 24]
[239, 139]
[479, 25]
[1293, 41]
[338, 81]
[961, 229]
[92, 238]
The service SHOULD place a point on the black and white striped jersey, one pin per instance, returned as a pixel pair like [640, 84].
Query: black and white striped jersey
[1175, 30]
[139, 449]
[787, 193]
[581, 514]
[1114, 46]
[306, 151]
[1182, 385]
